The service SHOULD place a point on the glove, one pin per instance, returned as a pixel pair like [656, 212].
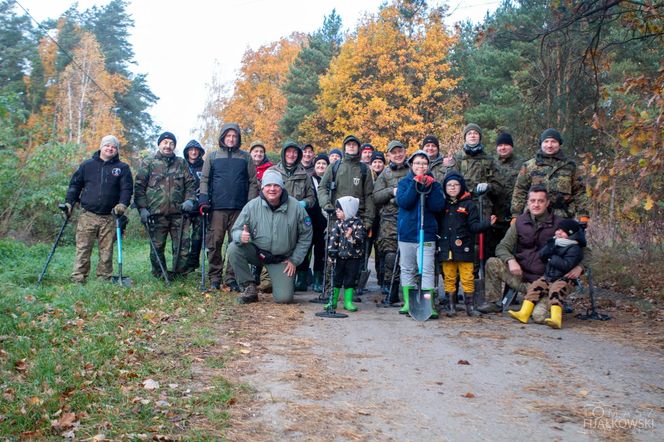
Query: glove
[303, 204]
[119, 209]
[66, 208]
[145, 215]
[187, 206]
[203, 208]
[123, 223]
[329, 209]
[425, 180]
[481, 188]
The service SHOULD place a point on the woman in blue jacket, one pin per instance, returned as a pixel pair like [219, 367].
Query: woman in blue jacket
[418, 181]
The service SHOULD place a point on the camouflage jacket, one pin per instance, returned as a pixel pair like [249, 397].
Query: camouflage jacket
[352, 247]
[162, 184]
[475, 169]
[560, 177]
[506, 173]
[298, 184]
[438, 169]
[383, 192]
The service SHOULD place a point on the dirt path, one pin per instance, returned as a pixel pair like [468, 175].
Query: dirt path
[378, 375]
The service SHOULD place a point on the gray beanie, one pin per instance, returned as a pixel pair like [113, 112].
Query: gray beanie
[272, 176]
[110, 139]
[349, 205]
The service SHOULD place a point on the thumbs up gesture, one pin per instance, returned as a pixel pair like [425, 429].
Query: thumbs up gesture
[245, 237]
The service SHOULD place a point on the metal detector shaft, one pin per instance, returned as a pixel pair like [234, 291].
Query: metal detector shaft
[156, 254]
[50, 255]
[204, 250]
[176, 261]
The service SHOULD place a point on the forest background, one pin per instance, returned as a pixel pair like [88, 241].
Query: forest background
[592, 69]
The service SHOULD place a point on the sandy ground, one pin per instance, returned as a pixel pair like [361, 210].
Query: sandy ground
[378, 375]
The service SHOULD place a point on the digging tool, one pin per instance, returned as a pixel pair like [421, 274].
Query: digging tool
[386, 301]
[420, 308]
[120, 280]
[365, 272]
[480, 288]
[154, 250]
[508, 299]
[62, 207]
[331, 312]
[176, 261]
[204, 250]
[322, 297]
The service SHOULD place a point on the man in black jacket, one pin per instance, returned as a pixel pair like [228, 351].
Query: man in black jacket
[102, 184]
[228, 182]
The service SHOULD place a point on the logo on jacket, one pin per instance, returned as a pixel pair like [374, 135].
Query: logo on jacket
[199, 174]
[356, 181]
[116, 171]
[462, 210]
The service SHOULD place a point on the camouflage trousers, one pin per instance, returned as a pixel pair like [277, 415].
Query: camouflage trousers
[220, 225]
[160, 228]
[90, 229]
[386, 246]
[555, 291]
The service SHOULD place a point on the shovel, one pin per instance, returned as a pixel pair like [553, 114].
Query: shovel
[119, 280]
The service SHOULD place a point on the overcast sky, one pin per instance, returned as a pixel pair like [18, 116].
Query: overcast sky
[178, 44]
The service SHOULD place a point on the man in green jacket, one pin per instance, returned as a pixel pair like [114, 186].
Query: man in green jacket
[273, 230]
[163, 190]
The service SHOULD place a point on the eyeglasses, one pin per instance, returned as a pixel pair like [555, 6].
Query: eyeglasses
[452, 185]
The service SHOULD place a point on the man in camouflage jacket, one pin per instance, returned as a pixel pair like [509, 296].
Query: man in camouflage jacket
[164, 190]
[559, 174]
[384, 194]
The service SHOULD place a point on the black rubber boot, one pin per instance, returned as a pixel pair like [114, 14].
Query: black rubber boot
[451, 310]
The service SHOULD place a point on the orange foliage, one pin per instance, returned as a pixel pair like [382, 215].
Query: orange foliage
[257, 102]
[390, 81]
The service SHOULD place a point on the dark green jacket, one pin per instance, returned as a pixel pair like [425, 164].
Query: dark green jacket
[162, 184]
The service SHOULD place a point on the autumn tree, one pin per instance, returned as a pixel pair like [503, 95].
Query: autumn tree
[312, 61]
[391, 80]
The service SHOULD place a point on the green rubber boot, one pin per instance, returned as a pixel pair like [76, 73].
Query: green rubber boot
[434, 312]
[406, 306]
[348, 300]
[332, 305]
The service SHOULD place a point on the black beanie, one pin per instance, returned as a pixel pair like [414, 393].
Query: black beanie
[504, 138]
[569, 226]
[430, 139]
[377, 155]
[551, 133]
[167, 136]
[322, 156]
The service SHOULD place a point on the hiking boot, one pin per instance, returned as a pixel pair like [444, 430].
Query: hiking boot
[489, 307]
[215, 285]
[249, 294]
[301, 281]
[233, 286]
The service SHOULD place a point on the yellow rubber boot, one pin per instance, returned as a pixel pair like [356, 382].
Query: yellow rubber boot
[523, 315]
[556, 319]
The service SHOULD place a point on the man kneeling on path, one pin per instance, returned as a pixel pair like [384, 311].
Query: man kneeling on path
[517, 262]
[273, 230]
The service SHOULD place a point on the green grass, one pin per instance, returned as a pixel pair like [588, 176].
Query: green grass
[67, 348]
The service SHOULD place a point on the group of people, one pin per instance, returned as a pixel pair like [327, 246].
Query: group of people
[420, 213]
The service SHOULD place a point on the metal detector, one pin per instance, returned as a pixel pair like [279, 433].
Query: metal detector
[322, 298]
[154, 250]
[331, 313]
[592, 312]
[62, 207]
[204, 216]
[386, 300]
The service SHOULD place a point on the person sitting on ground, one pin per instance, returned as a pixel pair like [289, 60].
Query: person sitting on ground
[273, 230]
[347, 247]
[561, 254]
[409, 190]
[460, 222]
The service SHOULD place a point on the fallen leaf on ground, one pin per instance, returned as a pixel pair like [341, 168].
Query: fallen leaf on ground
[468, 395]
[463, 362]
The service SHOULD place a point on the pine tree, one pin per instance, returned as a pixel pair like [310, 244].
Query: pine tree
[302, 86]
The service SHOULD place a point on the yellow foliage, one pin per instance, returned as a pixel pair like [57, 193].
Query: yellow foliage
[391, 80]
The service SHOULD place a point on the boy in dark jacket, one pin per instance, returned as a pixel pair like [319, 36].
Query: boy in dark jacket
[459, 224]
[561, 253]
[347, 247]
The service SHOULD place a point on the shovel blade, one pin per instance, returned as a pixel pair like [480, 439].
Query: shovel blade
[364, 277]
[124, 281]
[420, 308]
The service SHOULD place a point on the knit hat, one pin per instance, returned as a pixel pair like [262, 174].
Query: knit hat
[569, 226]
[167, 136]
[430, 139]
[469, 127]
[378, 156]
[255, 144]
[193, 144]
[456, 176]
[337, 151]
[110, 139]
[394, 143]
[504, 138]
[417, 153]
[349, 205]
[367, 146]
[272, 176]
[322, 156]
[308, 145]
[551, 133]
[351, 138]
